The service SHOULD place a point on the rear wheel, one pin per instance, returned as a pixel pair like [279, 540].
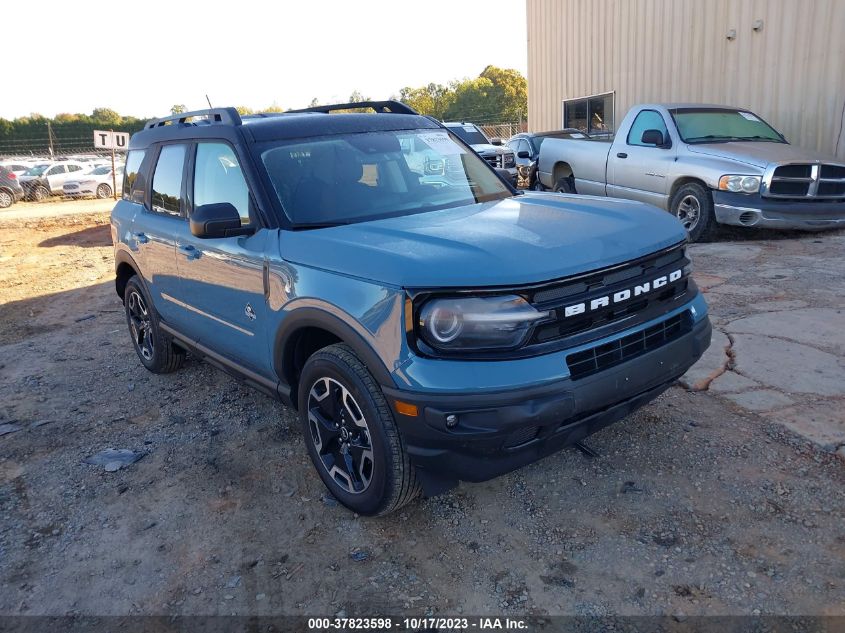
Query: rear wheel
[155, 349]
[565, 185]
[351, 435]
[103, 191]
[6, 199]
[692, 204]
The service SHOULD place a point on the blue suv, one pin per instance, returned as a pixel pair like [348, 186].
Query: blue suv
[429, 329]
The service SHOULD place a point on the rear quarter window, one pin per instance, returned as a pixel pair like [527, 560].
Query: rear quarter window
[130, 176]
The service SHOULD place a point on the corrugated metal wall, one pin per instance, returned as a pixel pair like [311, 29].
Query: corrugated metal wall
[791, 72]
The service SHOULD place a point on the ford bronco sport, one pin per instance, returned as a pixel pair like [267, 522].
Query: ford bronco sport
[427, 332]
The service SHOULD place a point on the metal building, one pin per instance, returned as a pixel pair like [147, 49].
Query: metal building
[590, 60]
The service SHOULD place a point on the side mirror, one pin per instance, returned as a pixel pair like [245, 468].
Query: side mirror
[496, 141]
[653, 137]
[523, 154]
[216, 220]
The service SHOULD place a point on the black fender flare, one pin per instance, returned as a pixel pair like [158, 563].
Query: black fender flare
[313, 317]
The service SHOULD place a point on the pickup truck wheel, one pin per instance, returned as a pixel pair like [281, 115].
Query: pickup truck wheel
[564, 185]
[538, 186]
[351, 435]
[155, 349]
[692, 204]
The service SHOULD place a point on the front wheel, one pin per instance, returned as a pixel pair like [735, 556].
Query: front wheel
[6, 199]
[538, 186]
[351, 435]
[103, 191]
[40, 193]
[692, 204]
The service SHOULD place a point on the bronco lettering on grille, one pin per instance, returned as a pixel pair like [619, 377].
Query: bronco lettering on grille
[622, 295]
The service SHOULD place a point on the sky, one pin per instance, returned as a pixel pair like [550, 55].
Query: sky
[140, 58]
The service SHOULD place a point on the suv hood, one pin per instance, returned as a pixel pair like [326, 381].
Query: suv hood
[759, 154]
[527, 239]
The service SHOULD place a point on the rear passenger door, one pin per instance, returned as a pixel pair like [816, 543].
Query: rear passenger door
[222, 279]
[153, 233]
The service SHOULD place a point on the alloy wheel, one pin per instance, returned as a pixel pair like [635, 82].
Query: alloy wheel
[340, 434]
[689, 212]
[140, 324]
[5, 199]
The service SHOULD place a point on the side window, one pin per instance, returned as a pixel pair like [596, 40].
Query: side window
[56, 169]
[130, 174]
[167, 180]
[523, 147]
[218, 178]
[646, 120]
[74, 167]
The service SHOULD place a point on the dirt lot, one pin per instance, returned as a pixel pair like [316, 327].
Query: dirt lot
[695, 505]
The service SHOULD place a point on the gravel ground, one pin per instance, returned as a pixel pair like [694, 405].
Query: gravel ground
[693, 506]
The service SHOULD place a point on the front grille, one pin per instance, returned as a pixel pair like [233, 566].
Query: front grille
[805, 181]
[522, 436]
[630, 280]
[601, 357]
[494, 160]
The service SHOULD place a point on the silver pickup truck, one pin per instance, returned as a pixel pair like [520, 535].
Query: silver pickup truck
[706, 164]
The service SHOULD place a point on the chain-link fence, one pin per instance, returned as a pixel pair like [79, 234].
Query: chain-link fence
[51, 170]
[503, 130]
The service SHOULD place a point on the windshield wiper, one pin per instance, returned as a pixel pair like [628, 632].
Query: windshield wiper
[761, 138]
[713, 137]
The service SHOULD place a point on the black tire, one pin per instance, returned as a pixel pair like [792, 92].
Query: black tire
[155, 349]
[40, 193]
[692, 204]
[383, 479]
[6, 199]
[565, 185]
[103, 191]
[538, 186]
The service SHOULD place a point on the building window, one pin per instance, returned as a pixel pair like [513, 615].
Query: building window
[593, 115]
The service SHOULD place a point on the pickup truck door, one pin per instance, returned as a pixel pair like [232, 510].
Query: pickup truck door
[638, 170]
[222, 279]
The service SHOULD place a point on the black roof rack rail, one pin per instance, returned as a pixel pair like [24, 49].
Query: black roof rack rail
[390, 107]
[212, 115]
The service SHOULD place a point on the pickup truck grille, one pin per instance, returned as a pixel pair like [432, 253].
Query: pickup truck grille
[601, 357]
[601, 303]
[500, 160]
[804, 181]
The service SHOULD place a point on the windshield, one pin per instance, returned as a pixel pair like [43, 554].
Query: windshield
[714, 125]
[470, 134]
[357, 177]
[36, 171]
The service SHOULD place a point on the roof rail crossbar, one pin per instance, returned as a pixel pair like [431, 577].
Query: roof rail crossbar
[391, 107]
[212, 115]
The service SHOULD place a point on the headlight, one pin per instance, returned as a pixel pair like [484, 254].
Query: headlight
[474, 323]
[740, 184]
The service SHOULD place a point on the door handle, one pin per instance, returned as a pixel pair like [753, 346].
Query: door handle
[621, 155]
[188, 251]
[141, 238]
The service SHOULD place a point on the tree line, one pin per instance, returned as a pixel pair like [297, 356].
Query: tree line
[497, 95]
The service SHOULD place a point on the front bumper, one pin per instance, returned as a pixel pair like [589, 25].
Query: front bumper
[500, 432]
[754, 210]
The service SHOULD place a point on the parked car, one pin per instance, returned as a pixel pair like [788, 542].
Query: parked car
[17, 167]
[98, 182]
[498, 156]
[526, 147]
[706, 164]
[10, 188]
[45, 180]
[426, 333]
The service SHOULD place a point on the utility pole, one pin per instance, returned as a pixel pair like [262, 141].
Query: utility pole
[50, 137]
